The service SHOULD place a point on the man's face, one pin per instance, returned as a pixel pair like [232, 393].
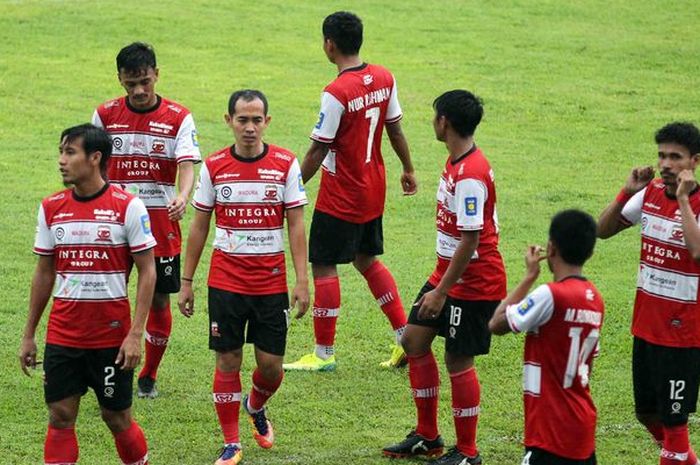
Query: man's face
[140, 87]
[674, 158]
[248, 123]
[73, 163]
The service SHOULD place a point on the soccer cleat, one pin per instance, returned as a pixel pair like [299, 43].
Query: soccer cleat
[230, 454]
[147, 388]
[311, 362]
[262, 428]
[415, 445]
[455, 457]
[398, 358]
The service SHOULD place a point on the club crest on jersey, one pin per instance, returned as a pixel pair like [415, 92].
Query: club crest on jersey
[367, 79]
[676, 234]
[270, 193]
[470, 206]
[525, 307]
[158, 147]
[145, 224]
[104, 234]
[589, 294]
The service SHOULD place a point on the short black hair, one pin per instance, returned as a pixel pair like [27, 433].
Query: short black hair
[345, 30]
[462, 109]
[573, 233]
[681, 133]
[136, 58]
[248, 95]
[93, 139]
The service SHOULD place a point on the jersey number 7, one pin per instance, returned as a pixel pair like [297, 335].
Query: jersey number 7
[373, 115]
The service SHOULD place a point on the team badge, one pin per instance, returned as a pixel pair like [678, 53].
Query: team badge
[158, 147]
[525, 307]
[146, 224]
[470, 206]
[104, 234]
[270, 193]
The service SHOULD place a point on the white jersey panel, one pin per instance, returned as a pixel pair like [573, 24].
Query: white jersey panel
[137, 225]
[204, 195]
[328, 119]
[393, 111]
[294, 191]
[632, 211]
[186, 143]
[532, 312]
[249, 242]
[44, 240]
[90, 286]
[470, 198]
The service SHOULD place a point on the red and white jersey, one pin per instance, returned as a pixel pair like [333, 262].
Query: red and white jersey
[466, 201]
[92, 240]
[354, 110]
[563, 321]
[249, 198]
[666, 309]
[147, 147]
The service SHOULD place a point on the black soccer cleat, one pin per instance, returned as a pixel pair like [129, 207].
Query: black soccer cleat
[455, 457]
[415, 445]
[147, 388]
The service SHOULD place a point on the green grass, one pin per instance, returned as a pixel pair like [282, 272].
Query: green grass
[573, 93]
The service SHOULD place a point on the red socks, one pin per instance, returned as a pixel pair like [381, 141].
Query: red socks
[61, 446]
[262, 390]
[326, 308]
[466, 394]
[131, 445]
[158, 328]
[383, 287]
[675, 447]
[227, 402]
[425, 382]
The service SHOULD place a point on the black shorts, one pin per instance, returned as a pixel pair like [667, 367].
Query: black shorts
[69, 371]
[665, 381]
[536, 456]
[168, 275]
[333, 241]
[463, 323]
[267, 317]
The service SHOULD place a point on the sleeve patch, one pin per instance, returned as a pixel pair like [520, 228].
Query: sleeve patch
[195, 139]
[525, 306]
[321, 117]
[146, 224]
[470, 206]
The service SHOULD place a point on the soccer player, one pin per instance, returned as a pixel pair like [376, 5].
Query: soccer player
[665, 325]
[462, 293]
[155, 145]
[347, 222]
[562, 320]
[86, 238]
[250, 186]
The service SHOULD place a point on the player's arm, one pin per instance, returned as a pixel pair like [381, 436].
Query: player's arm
[199, 230]
[130, 350]
[689, 222]
[313, 159]
[430, 305]
[185, 182]
[609, 222]
[499, 322]
[297, 245]
[42, 284]
[409, 184]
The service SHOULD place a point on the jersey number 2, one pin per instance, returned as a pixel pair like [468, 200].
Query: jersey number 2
[578, 355]
[373, 115]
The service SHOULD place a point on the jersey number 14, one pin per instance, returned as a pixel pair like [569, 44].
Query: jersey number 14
[577, 364]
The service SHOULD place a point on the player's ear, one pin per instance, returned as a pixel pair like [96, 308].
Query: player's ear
[551, 249]
[95, 157]
[268, 118]
[694, 158]
[228, 118]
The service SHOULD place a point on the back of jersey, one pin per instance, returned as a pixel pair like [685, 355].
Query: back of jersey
[354, 110]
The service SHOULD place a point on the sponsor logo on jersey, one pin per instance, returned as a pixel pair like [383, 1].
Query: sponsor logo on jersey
[651, 205]
[108, 215]
[589, 294]
[226, 176]
[175, 109]
[158, 147]
[525, 306]
[226, 192]
[104, 234]
[117, 142]
[117, 126]
[300, 183]
[60, 233]
[168, 271]
[195, 139]
[321, 117]
[80, 233]
[118, 195]
[58, 216]
[283, 156]
[470, 206]
[145, 224]
[160, 127]
[270, 193]
[367, 79]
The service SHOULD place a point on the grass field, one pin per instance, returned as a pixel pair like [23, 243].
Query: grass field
[573, 93]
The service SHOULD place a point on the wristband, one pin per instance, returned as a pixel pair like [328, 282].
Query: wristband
[186, 279]
[623, 197]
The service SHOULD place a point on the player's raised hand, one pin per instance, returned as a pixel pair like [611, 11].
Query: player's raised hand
[185, 299]
[533, 257]
[409, 184]
[430, 305]
[27, 355]
[638, 179]
[686, 183]
[176, 208]
[129, 353]
[300, 299]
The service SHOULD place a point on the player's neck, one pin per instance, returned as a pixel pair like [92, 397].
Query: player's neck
[563, 270]
[345, 62]
[89, 187]
[249, 151]
[459, 146]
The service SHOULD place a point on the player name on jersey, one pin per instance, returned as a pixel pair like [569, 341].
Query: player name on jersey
[249, 198]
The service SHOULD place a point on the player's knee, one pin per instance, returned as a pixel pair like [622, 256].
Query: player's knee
[117, 421]
[61, 417]
[270, 371]
[363, 262]
[457, 363]
[413, 346]
[229, 361]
